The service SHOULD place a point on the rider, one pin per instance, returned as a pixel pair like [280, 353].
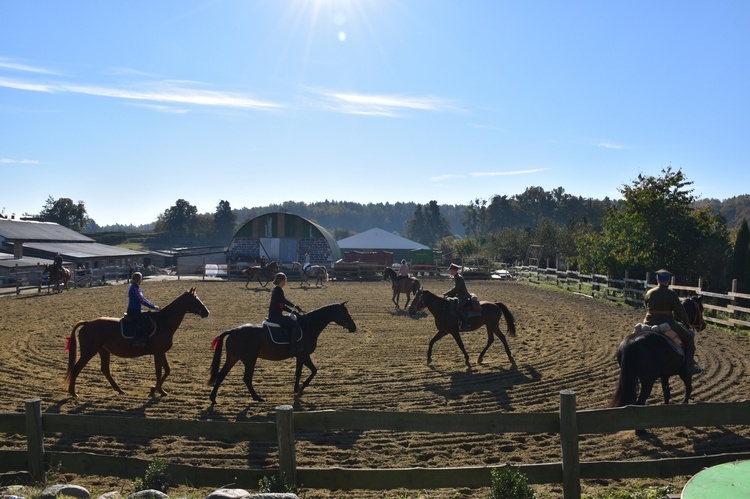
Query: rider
[663, 305]
[263, 262]
[58, 263]
[403, 270]
[280, 304]
[306, 265]
[459, 290]
[135, 300]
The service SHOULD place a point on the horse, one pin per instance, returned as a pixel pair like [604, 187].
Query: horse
[104, 336]
[644, 357]
[256, 271]
[401, 285]
[447, 323]
[318, 271]
[248, 343]
[57, 276]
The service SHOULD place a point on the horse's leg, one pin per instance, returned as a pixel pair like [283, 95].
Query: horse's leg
[395, 298]
[688, 380]
[160, 365]
[646, 386]
[665, 389]
[504, 341]
[228, 364]
[105, 363]
[460, 343]
[490, 340]
[248, 378]
[307, 361]
[434, 340]
[87, 353]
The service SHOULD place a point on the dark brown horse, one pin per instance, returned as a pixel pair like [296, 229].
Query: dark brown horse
[248, 343]
[256, 272]
[104, 336]
[318, 271]
[57, 276]
[644, 357]
[447, 322]
[400, 285]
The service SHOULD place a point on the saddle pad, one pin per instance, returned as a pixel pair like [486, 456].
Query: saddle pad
[279, 335]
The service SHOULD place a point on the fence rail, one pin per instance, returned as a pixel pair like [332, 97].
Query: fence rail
[722, 308]
[568, 423]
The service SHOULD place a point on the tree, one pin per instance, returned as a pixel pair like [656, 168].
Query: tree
[178, 221]
[655, 226]
[427, 226]
[224, 221]
[740, 255]
[65, 212]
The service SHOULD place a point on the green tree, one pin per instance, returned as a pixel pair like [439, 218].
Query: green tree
[427, 226]
[65, 212]
[179, 220]
[654, 226]
[224, 220]
[740, 254]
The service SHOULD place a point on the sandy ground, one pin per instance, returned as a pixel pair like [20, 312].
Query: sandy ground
[564, 341]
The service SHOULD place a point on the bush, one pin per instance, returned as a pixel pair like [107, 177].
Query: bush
[509, 483]
[156, 477]
[275, 483]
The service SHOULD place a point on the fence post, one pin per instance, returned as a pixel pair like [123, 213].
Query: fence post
[569, 440]
[35, 439]
[39, 282]
[204, 268]
[285, 436]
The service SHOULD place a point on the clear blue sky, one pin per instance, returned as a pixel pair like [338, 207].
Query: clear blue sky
[130, 106]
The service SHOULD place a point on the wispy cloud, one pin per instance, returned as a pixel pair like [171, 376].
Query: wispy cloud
[610, 145]
[162, 91]
[15, 66]
[515, 172]
[11, 161]
[381, 105]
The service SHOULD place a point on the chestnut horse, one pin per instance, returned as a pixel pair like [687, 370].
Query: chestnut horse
[447, 323]
[57, 276]
[400, 285]
[103, 336]
[256, 272]
[248, 343]
[318, 271]
[644, 357]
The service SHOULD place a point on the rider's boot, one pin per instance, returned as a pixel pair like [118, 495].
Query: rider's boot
[690, 365]
[139, 339]
[464, 324]
[294, 337]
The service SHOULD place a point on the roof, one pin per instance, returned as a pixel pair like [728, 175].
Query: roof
[24, 230]
[379, 239]
[8, 261]
[80, 251]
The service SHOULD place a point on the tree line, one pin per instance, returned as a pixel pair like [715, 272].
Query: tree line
[658, 223]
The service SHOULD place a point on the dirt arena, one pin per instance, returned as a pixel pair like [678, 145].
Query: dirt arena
[564, 341]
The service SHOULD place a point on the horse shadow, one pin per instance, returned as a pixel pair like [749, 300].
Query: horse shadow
[498, 383]
[706, 441]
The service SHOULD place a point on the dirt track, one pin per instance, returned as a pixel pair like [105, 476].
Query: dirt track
[564, 341]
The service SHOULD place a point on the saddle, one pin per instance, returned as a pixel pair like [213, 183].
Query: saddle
[128, 327]
[279, 334]
[665, 331]
[472, 308]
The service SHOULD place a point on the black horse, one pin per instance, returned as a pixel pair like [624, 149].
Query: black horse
[644, 357]
[249, 342]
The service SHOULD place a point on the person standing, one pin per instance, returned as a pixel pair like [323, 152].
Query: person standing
[459, 291]
[276, 308]
[136, 299]
[663, 305]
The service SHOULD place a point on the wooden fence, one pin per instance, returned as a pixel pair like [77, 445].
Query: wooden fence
[567, 422]
[33, 278]
[722, 308]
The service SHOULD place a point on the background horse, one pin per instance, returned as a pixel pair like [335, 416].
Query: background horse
[255, 272]
[448, 323]
[401, 285]
[57, 276]
[249, 342]
[318, 271]
[104, 336]
[644, 357]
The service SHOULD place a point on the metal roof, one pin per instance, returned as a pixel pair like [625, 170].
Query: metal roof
[84, 250]
[8, 261]
[379, 239]
[25, 230]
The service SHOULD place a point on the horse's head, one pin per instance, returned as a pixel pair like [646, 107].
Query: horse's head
[417, 303]
[46, 269]
[194, 304]
[695, 312]
[344, 319]
[386, 275]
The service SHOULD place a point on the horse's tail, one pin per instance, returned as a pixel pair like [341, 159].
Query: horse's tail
[218, 345]
[509, 320]
[627, 381]
[72, 348]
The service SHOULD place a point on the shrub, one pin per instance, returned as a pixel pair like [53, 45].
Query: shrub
[157, 477]
[509, 483]
[275, 483]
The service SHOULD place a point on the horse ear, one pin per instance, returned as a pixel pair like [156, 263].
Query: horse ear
[192, 291]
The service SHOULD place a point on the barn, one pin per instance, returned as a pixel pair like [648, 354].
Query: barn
[285, 238]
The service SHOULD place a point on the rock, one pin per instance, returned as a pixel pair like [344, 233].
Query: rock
[148, 494]
[228, 494]
[53, 491]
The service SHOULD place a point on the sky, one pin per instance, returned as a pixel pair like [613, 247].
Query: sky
[129, 106]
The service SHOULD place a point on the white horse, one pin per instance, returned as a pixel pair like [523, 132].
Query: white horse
[318, 271]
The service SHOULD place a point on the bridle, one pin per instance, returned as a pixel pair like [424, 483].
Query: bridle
[696, 322]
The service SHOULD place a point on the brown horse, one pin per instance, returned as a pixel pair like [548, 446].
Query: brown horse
[401, 285]
[447, 323]
[104, 336]
[256, 272]
[248, 343]
[318, 271]
[56, 276]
